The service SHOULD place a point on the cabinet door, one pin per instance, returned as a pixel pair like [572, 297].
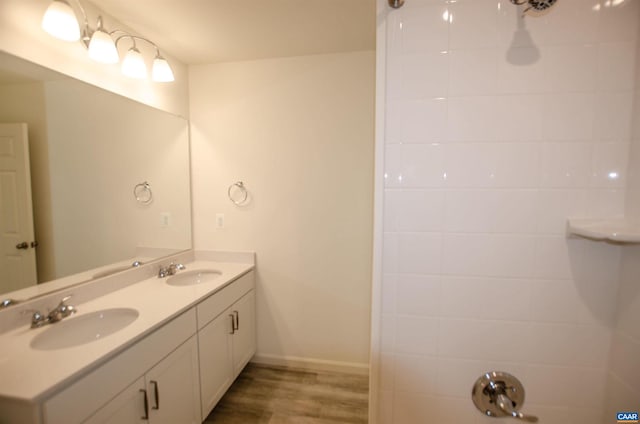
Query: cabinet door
[244, 339]
[126, 408]
[173, 387]
[216, 375]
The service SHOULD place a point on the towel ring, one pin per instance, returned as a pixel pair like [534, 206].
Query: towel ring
[143, 194]
[239, 199]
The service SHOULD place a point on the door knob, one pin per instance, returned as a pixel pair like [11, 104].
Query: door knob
[23, 245]
[499, 394]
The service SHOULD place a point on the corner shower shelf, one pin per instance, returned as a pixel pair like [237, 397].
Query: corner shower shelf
[614, 230]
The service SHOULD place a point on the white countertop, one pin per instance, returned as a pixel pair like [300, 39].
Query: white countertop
[29, 374]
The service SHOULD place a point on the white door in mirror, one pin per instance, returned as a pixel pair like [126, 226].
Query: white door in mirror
[17, 246]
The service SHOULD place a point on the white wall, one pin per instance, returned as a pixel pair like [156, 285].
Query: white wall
[487, 152]
[299, 133]
[623, 388]
[22, 36]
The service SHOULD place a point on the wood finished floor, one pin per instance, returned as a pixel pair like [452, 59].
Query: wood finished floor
[275, 395]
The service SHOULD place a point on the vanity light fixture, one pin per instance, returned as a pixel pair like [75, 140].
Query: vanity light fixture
[101, 46]
[61, 22]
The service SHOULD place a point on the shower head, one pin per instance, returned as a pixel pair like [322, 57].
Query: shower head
[535, 7]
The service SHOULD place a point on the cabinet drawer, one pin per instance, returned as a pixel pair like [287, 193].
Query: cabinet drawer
[215, 304]
[84, 397]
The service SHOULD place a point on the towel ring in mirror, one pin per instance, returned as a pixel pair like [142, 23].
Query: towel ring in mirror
[238, 193]
[143, 194]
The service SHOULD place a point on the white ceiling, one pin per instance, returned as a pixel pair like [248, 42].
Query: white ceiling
[208, 31]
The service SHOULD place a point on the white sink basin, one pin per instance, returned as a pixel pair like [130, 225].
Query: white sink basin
[75, 331]
[196, 276]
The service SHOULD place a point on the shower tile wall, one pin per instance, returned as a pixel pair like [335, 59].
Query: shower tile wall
[497, 129]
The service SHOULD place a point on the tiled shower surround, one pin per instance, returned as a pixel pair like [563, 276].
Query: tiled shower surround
[498, 128]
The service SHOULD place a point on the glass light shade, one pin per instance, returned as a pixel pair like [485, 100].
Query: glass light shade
[60, 21]
[133, 64]
[102, 48]
[161, 71]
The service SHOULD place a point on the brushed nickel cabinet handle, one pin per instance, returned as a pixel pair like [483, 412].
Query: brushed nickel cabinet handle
[146, 406]
[156, 394]
[237, 327]
[233, 324]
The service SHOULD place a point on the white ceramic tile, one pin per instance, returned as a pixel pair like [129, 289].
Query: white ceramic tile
[628, 307]
[485, 298]
[474, 339]
[553, 258]
[488, 255]
[613, 116]
[414, 210]
[492, 165]
[552, 28]
[606, 203]
[520, 70]
[566, 386]
[473, 118]
[394, 120]
[385, 407]
[609, 164]
[416, 335]
[553, 207]
[416, 374]
[424, 28]
[519, 118]
[389, 284]
[619, 396]
[390, 253]
[419, 253]
[568, 116]
[616, 64]
[566, 301]
[570, 68]
[568, 345]
[425, 74]
[419, 295]
[387, 367]
[388, 333]
[473, 24]
[624, 360]
[414, 165]
[473, 72]
[497, 211]
[393, 73]
[425, 121]
[457, 376]
[565, 165]
[597, 262]
[619, 22]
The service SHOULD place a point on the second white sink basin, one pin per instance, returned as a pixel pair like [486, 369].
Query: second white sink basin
[75, 331]
[196, 276]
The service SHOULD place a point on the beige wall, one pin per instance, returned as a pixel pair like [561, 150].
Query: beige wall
[22, 36]
[299, 133]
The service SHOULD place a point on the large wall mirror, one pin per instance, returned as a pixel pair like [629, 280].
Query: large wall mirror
[91, 183]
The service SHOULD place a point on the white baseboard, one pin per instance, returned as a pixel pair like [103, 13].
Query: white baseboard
[312, 364]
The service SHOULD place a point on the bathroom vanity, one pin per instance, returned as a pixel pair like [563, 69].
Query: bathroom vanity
[161, 350]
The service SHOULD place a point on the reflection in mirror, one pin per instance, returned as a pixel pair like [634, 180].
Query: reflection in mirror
[69, 207]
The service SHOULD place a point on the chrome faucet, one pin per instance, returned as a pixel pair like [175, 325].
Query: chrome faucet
[59, 313]
[170, 270]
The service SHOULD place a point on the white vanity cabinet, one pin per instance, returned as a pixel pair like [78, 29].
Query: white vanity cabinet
[176, 374]
[226, 338]
[168, 394]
